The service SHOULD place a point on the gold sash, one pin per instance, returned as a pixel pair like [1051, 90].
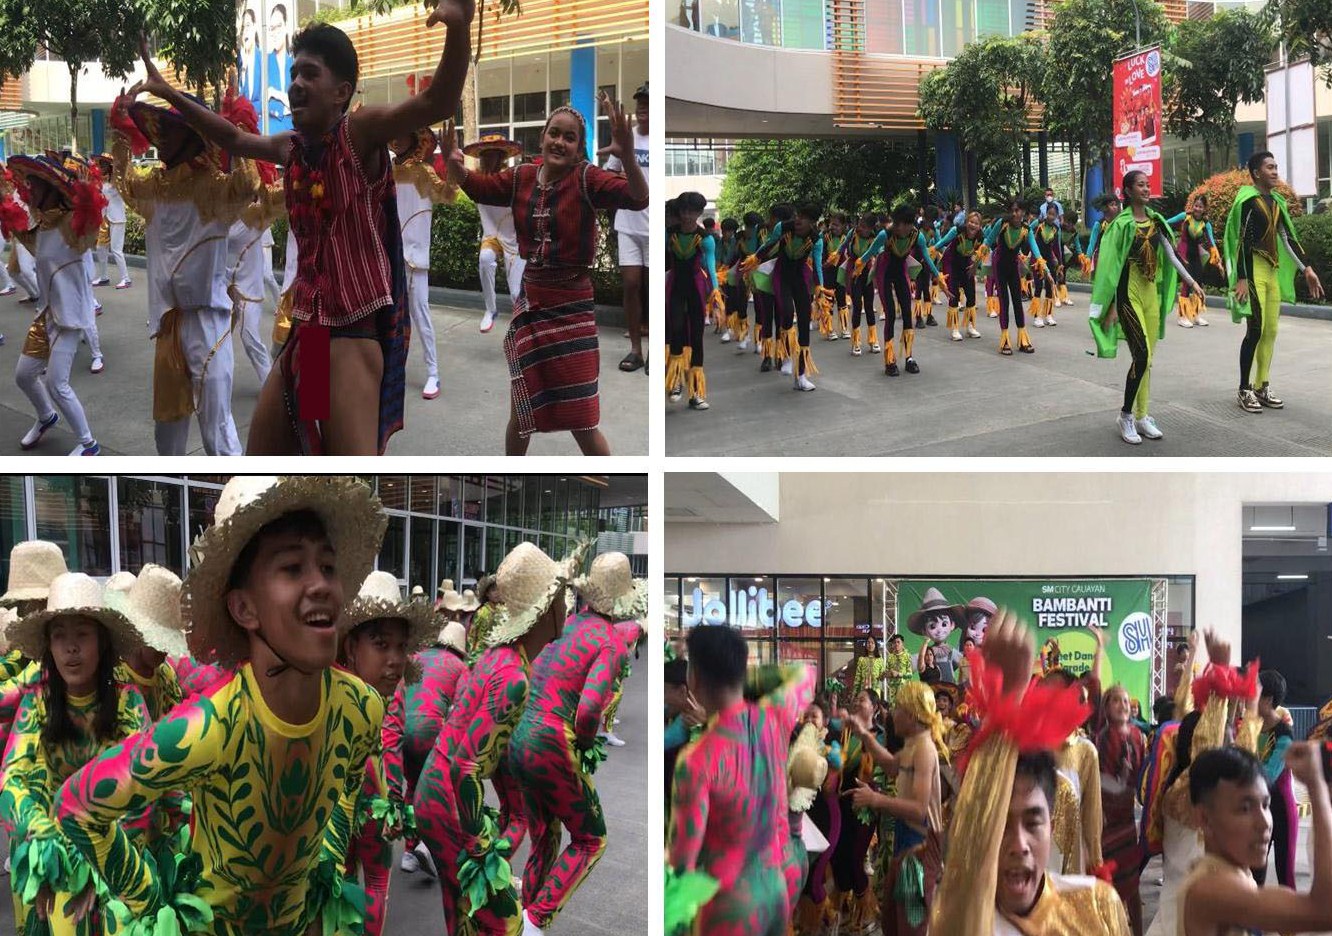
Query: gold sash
[173, 390]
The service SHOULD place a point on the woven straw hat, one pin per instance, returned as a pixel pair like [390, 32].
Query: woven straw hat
[151, 603]
[609, 588]
[120, 582]
[7, 616]
[33, 565]
[452, 601]
[418, 591]
[380, 597]
[76, 594]
[454, 635]
[445, 586]
[806, 769]
[528, 581]
[352, 516]
[469, 600]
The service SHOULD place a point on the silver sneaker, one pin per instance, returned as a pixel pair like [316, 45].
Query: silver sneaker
[1147, 428]
[803, 383]
[1267, 398]
[1128, 430]
[1248, 401]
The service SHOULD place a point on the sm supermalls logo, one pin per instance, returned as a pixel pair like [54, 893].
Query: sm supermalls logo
[751, 607]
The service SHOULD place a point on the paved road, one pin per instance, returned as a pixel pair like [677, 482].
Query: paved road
[613, 898]
[969, 400]
[467, 418]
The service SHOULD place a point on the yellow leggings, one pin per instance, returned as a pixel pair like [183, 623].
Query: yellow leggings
[1260, 335]
[1140, 316]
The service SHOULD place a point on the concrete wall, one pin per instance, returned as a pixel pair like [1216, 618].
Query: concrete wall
[724, 73]
[989, 523]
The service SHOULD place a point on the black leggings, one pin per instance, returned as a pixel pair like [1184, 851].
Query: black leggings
[923, 287]
[862, 296]
[1253, 333]
[1010, 291]
[794, 302]
[1136, 340]
[965, 286]
[685, 324]
[839, 291]
[737, 301]
[763, 312]
[848, 861]
[895, 283]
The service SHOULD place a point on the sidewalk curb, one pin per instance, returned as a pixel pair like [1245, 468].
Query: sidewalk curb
[608, 316]
[1296, 309]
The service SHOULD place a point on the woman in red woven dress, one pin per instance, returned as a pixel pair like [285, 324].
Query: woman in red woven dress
[551, 345]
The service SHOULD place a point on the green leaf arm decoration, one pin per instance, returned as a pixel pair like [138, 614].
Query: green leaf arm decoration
[684, 896]
[590, 758]
[485, 877]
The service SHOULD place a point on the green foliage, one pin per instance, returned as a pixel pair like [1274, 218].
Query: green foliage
[1315, 234]
[1216, 63]
[1306, 28]
[1221, 190]
[198, 37]
[1174, 199]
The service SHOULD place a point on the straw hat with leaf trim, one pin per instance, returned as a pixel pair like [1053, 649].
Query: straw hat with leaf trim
[610, 589]
[528, 581]
[7, 616]
[33, 565]
[73, 594]
[454, 635]
[380, 598]
[151, 603]
[806, 769]
[352, 516]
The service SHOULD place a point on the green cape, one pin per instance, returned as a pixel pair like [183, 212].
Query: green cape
[1114, 244]
[1285, 262]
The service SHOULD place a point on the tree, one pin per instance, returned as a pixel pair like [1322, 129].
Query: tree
[198, 37]
[1086, 36]
[1217, 63]
[985, 96]
[1305, 26]
[852, 175]
[75, 32]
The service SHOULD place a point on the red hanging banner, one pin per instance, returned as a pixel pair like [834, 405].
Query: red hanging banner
[1137, 117]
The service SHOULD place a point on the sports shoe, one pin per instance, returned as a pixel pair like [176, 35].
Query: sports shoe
[87, 448]
[846, 334]
[911, 366]
[875, 348]
[856, 351]
[803, 383]
[676, 394]
[487, 321]
[1147, 428]
[431, 389]
[98, 365]
[530, 928]
[787, 367]
[124, 284]
[1128, 430]
[956, 335]
[101, 282]
[1185, 323]
[1038, 322]
[97, 308]
[766, 365]
[891, 369]
[1267, 398]
[8, 291]
[698, 403]
[1049, 319]
[727, 337]
[34, 435]
[409, 863]
[1201, 321]
[971, 331]
[423, 858]
[930, 319]
[1248, 401]
[613, 739]
[743, 345]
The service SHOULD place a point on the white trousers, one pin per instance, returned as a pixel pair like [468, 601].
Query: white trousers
[487, 265]
[117, 251]
[6, 281]
[90, 334]
[40, 380]
[271, 288]
[252, 341]
[200, 330]
[26, 276]
[418, 303]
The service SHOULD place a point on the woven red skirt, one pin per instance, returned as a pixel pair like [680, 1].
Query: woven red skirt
[551, 347]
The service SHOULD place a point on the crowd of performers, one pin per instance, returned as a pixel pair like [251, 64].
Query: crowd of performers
[238, 752]
[1005, 806]
[807, 270]
[357, 185]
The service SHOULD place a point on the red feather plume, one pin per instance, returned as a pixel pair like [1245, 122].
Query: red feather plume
[1228, 682]
[88, 204]
[123, 124]
[240, 111]
[13, 218]
[1039, 720]
[268, 173]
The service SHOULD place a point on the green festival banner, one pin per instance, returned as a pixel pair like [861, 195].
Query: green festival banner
[945, 611]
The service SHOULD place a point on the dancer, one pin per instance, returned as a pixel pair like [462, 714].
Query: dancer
[691, 291]
[797, 248]
[870, 669]
[961, 248]
[383, 632]
[79, 712]
[18, 217]
[1135, 281]
[70, 205]
[820, 803]
[418, 190]
[498, 237]
[892, 246]
[1121, 750]
[1198, 246]
[836, 325]
[631, 230]
[729, 800]
[1007, 239]
[900, 669]
[151, 603]
[1049, 250]
[551, 345]
[1109, 206]
[774, 349]
[748, 239]
[861, 287]
[264, 594]
[728, 273]
[111, 239]
[1263, 254]
[1274, 741]
[188, 205]
[1071, 255]
[350, 285]
[555, 747]
[922, 306]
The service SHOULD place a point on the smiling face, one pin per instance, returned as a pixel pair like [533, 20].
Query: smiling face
[1117, 705]
[316, 95]
[1025, 849]
[973, 226]
[938, 625]
[75, 642]
[562, 142]
[1140, 190]
[814, 716]
[1236, 821]
[977, 623]
[1267, 173]
[1199, 209]
[291, 599]
[377, 653]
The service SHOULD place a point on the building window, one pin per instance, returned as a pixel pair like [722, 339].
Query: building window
[672, 596]
[529, 138]
[13, 518]
[449, 534]
[761, 22]
[422, 493]
[530, 105]
[391, 550]
[150, 524]
[799, 607]
[846, 609]
[473, 537]
[494, 109]
[422, 553]
[720, 18]
[74, 512]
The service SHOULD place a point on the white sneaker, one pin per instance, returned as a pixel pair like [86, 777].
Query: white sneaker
[409, 864]
[1201, 321]
[875, 348]
[677, 395]
[614, 740]
[1147, 428]
[957, 335]
[39, 428]
[787, 367]
[530, 928]
[727, 337]
[971, 330]
[431, 388]
[856, 351]
[87, 448]
[487, 322]
[1185, 323]
[98, 365]
[1049, 320]
[1128, 430]
[1038, 322]
[423, 858]
[803, 383]
[743, 345]
[846, 334]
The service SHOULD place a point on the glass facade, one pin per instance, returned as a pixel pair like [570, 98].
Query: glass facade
[439, 526]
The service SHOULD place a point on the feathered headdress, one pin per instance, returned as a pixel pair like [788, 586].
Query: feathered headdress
[126, 127]
[1227, 682]
[13, 218]
[239, 110]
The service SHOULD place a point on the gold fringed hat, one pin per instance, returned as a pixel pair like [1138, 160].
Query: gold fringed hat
[381, 598]
[353, 518]
[73, 594]
[150, 601]
[806, 769]
[528, 581]
[33, 566]
[610, 589]
[422, 146]
[491, 143]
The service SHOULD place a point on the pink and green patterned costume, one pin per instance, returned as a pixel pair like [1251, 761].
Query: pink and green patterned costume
[425, 705]
[161, 690]
[572, 682]
[451, 815]
[273, 804]
[194, 676]
[33, 773]
[729, 808]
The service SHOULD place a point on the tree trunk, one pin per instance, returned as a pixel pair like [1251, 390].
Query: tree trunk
[469, 104]
[73, 108]
[1082, 180]
[1207, 155]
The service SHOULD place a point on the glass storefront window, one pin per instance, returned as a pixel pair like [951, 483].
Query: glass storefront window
[391, 558]
[494, 497]
[494, 548]
[760, 22]
[991, 18]
[883, 26]
[671, 587]
[799, 607]
[493, 109]
[13, 519]
[74, 512]
[472, 548]
[846, 609]
[422, 553]
[921, 27]
[802, 24]
[803, 651]
[474, 500]
[393, 491]
[720, 18]
[839, 658]
[150, 524]
[202, 503]
[449, 535]
[959, 27]
[423, 493]
[447, 499]
[701, 593]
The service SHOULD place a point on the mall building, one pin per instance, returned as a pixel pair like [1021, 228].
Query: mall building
[809, 565]
[439, 526]
[777, 69]
[555, 52]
